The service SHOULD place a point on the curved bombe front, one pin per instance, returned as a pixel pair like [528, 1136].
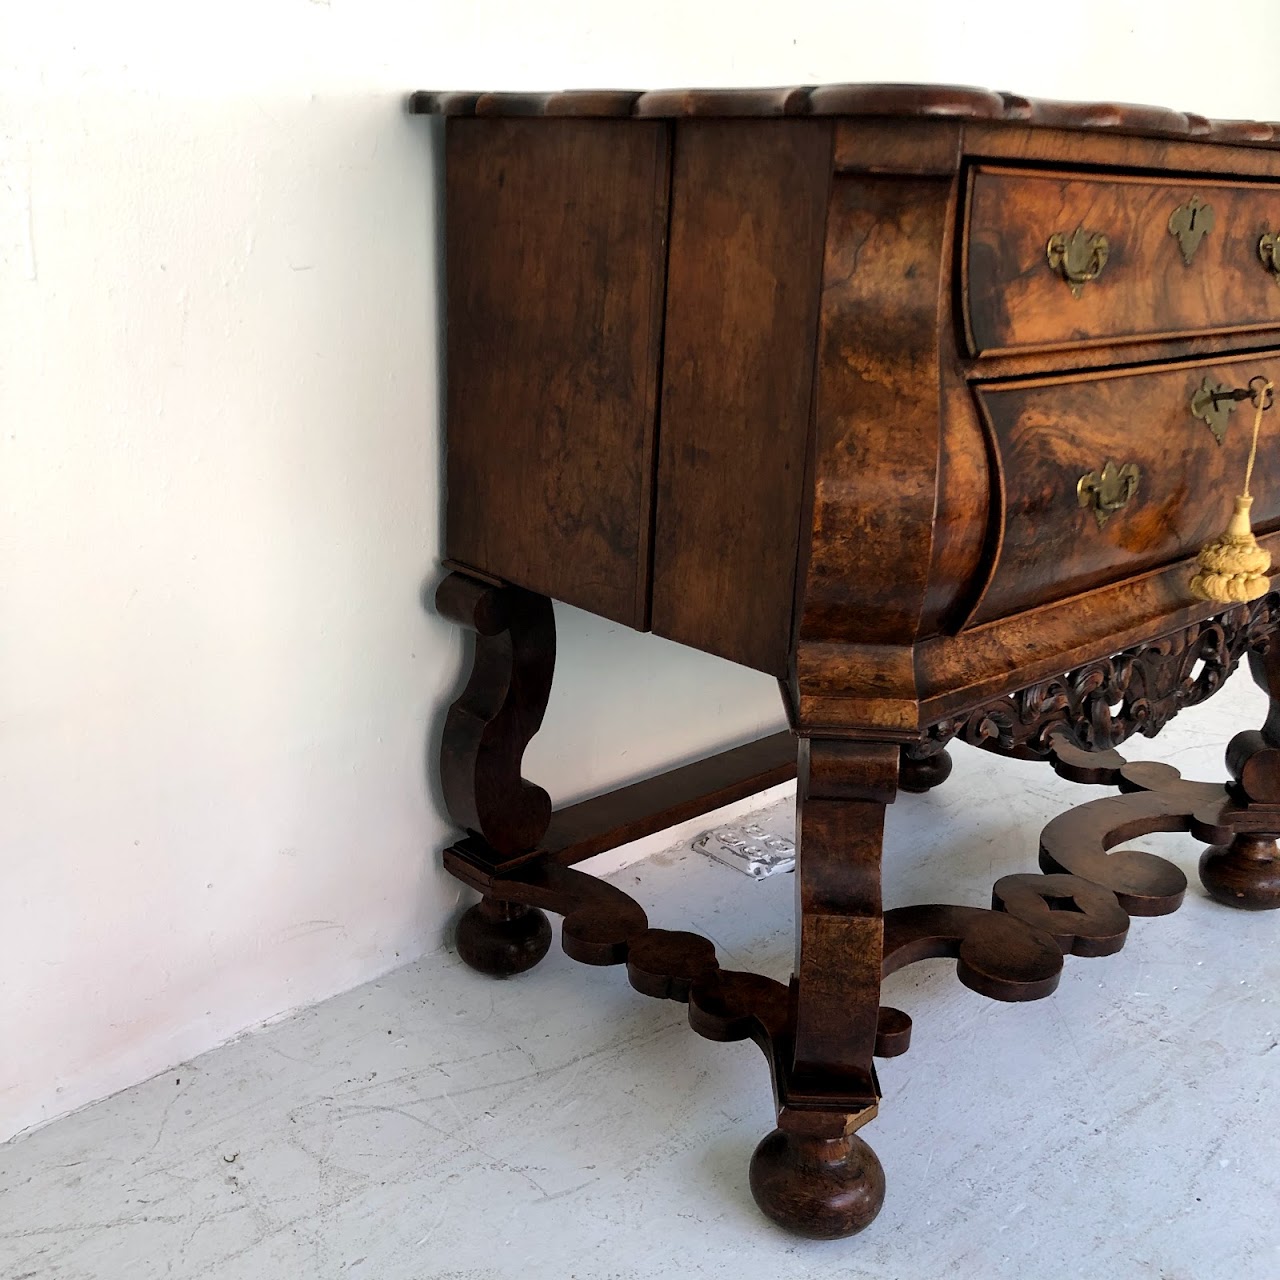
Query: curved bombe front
[901, 490]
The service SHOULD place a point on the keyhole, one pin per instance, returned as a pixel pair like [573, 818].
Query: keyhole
[1194, 211]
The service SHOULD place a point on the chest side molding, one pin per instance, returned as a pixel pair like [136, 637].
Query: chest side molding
[875, 449]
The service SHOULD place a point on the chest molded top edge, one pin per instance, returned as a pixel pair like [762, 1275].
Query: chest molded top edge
[959, 102]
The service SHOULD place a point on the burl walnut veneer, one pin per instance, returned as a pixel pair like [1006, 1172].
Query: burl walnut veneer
[916, 399]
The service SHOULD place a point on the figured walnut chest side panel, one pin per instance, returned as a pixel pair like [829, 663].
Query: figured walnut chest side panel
[556, 237]
[749, 202]
[876, 450]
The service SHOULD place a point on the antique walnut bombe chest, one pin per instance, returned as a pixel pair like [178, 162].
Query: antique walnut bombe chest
[921, 400]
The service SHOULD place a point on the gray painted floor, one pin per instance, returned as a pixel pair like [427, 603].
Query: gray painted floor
[438, 1124]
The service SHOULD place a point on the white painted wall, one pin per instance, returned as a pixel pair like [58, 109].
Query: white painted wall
[219, 471]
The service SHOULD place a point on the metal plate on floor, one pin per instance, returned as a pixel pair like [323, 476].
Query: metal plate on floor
[749, 848]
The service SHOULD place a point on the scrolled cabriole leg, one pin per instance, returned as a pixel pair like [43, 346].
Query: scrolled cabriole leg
[485, 736]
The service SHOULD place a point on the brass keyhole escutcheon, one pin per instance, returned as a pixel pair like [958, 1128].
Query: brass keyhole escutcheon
[1212, 404]
[1269, 252]
[1105, 492]
[1189, 224]
[1078, 257]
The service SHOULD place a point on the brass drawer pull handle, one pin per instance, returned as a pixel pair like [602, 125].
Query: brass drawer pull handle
[1269, 252]
[1078, 257]
[1189, 224]
[1108, 490]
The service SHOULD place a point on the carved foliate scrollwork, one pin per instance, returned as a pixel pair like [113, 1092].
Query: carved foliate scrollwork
[1099, 705]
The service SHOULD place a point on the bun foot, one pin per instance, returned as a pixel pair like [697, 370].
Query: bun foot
[502, 938]
[819, 1187]
[1244, 873]
[923, 773]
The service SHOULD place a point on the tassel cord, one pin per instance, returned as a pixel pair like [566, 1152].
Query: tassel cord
[1257, 426]
[1232, 568]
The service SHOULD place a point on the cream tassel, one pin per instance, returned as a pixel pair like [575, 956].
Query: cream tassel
[1233, 568]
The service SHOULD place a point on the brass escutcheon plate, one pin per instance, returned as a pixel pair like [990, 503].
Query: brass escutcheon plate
[1189, 224]
[1213, 413]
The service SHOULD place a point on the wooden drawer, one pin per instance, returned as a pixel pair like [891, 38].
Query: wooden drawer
[1017, 301]
[1047, 433]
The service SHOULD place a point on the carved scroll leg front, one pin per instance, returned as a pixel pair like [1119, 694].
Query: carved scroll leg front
[1244, 870]
[485, 736]
[813, 1174]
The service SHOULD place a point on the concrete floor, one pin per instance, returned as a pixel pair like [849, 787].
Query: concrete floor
[439, 1124]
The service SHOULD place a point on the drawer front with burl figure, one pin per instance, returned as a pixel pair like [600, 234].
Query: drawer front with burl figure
[1101, 477]
[1054, 259]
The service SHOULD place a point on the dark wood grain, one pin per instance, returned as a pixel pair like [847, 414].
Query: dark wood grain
[869, 518]
[922, 768]
[948, 100]
[955, 673]
[580, 831]
[1245, 873]
[900, 101]
[876, 418]
[1050, 432]
[771, 436]
[924, 147]
[1131, 117]
[1243, 870]
[591, 826]
[824, 1187]
[1146, 289]
[502, 939]
[999, 957]
[551, 404]
[1081, 842]
[1204, 348]
[812, 1174]
[843, 790]
[1119, 150]
[748, 214]
[1101, 704]
[724, 103]
[496, 716]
